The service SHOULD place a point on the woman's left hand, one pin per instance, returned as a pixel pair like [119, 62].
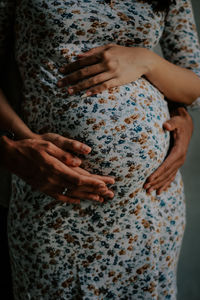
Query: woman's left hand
[104, 67]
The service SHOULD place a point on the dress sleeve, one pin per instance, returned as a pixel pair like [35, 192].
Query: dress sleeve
[7, 10]
[179, 41]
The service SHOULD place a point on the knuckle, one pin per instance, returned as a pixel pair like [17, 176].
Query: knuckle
[78, 181]
[111, 65]
[47, 145]
[105, 85]
[73, 144]
[106, 55]
[79, 73]
[91, 81]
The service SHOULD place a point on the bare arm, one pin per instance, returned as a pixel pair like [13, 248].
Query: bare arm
[176, 83]
[44, 161]
[10, 121]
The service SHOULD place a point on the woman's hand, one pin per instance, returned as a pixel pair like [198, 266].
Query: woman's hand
[182, 127]
[45, 163]
[104, 67]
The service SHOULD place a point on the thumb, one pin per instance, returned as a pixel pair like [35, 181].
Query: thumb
[172, 124]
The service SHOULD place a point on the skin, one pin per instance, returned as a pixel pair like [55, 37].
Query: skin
[181, 127]
[113, 65]
[98, 69]
[51, 168]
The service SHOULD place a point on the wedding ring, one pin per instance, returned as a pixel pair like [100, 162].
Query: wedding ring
[65, 191]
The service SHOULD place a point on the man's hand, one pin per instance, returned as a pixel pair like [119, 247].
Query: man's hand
[47, 165]
[181, 127]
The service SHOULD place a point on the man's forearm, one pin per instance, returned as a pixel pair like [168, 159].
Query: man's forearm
[10, 121]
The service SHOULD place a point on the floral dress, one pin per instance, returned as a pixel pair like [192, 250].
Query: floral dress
[127, 247]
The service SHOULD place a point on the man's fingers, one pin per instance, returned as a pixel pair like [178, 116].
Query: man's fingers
[71, 145]
[172, 124]
[66, 143]
[106, 179]
[183, 112]
[65, 157]
[163, 182]
[166, 185]
[168, 164]
[67, 199]
[162, 177]
[83, 195]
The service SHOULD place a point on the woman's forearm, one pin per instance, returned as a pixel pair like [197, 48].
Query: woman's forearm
[10, 121]
[176, 83]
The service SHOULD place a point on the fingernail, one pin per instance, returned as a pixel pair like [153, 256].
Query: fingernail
[101, 186]
[113, 180]
[110, 195]
[102, 190]
[96, 198]
[84, 96]
[101, 200]
[79, 55]
[150, 190]
[70, 90]
[85, 149]
[76, 161]
[147, 186]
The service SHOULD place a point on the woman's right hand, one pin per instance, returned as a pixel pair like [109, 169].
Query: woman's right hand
[51, 169]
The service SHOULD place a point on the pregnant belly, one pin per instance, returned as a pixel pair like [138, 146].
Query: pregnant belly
[123, 126]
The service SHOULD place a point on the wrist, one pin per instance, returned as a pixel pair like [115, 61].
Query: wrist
[25, 134]
[151, 61]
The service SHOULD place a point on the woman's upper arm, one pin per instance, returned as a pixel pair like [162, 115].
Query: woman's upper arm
[179, 41]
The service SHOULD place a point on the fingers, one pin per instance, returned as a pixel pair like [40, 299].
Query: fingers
[81, 74]
[83, 195]
[172, 124]
[171, 164]
[161, 183]
[106, 179]
[99, 88]
[75, 195]
[65, 157]
[80, 63]
[67, 144]
[70, 175]
[166, 185]
[90, 82]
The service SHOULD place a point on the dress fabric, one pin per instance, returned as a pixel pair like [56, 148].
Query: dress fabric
[127, 247]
